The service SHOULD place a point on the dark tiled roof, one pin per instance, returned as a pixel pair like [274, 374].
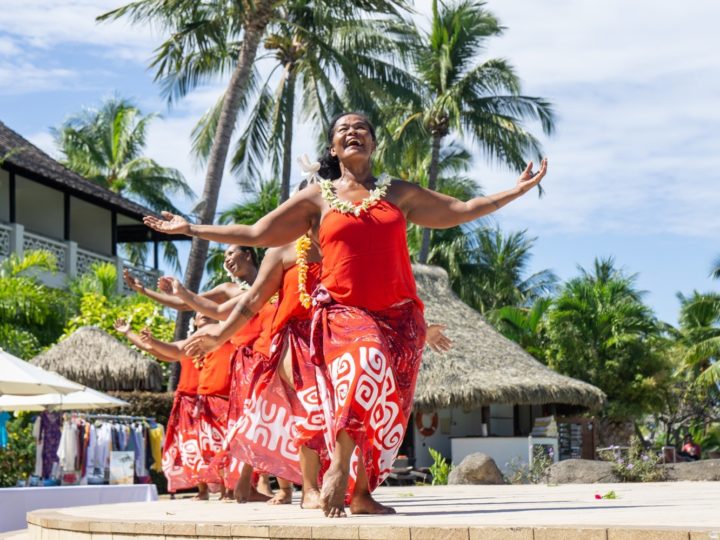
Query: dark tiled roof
[24, 157]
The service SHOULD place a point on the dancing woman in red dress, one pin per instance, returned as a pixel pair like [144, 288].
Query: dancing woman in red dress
[368, 332]
[278, 375]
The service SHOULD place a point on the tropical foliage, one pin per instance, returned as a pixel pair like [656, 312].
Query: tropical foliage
[699, 332]
[106, 146]
[32, 315]
[601, 332]
[457, 94]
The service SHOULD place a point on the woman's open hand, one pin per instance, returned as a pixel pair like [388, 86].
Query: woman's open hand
[529, 179]
[169, 224]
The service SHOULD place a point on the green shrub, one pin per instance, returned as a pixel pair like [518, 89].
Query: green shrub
[636, 465]
[17, 460]
[440, 469]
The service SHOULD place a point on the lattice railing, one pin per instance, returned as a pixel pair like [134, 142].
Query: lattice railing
[147, 276]
[5, 231]
[33, 241]
[85, 260]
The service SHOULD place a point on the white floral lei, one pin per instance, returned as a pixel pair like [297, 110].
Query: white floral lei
[327, 190]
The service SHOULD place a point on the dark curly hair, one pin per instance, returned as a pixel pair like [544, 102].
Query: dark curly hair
[329, 164]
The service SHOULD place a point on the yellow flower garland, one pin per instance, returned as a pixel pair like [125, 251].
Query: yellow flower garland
[301, 248]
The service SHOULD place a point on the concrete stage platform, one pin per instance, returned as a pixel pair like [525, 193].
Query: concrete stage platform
[663, 511]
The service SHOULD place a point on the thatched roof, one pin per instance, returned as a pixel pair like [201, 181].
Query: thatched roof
[94, 358]
[483, 366]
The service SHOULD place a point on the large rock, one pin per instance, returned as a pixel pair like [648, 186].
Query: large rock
[694, 471]
[476, 468]
[581, 471]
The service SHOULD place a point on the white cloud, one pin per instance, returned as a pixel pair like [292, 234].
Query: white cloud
[46, 24]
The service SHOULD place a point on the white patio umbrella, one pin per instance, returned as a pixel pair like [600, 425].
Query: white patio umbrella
[21, 378]
[83, 400]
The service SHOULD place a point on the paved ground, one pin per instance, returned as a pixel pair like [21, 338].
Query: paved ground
[676, 507]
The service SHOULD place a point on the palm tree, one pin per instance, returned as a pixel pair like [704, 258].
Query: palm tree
[524, 325]
[105, 146]
[492, 273]
[457, 94]
[715, 270]
[313, 45]
[600, 331]
[32, 315]
[700, 333]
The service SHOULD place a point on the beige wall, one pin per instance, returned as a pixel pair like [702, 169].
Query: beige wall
[4, 196]
[39, 208]
[90, 226]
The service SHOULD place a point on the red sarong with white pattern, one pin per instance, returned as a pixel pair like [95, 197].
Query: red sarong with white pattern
[366, 380]
[180, 452]
[224, 464]
[267, 434]
[368, 335]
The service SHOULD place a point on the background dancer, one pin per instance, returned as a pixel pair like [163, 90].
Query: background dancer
[181, 430]
[211, 406]
[368, 333]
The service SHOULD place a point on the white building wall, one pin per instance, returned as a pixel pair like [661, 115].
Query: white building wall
[39, 208]
[90, 226]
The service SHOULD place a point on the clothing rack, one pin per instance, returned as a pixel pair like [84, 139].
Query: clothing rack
[118, 417]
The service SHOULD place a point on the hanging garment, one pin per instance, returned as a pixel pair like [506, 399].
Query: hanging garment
[38, 471]
[50, 431]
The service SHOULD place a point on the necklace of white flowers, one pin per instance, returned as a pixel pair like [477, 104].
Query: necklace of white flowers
[327, 189]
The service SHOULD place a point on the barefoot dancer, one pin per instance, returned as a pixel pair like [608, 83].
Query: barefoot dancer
[211, 406]
[368, 332]
[181, 432]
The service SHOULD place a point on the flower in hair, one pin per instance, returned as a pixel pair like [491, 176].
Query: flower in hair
[309, 168]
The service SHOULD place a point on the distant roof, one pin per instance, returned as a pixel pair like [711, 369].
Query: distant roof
[25, 158]
[483, 366]
[96, 359]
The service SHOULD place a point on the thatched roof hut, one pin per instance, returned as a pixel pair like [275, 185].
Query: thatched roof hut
[483, 366]
[94, 358]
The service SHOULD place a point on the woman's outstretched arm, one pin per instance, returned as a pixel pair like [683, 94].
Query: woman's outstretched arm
[437, 211]
[123, 327]
[286, 223]
[267, 283]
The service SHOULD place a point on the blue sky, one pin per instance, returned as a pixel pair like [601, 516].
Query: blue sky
[633, 170]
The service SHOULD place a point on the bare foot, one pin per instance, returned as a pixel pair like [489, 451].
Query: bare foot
[282, 496]
[244, 494]
[311, 499]
[263, 485]
[365, 504]
[203, 494]
[224, 494]
[332, 495]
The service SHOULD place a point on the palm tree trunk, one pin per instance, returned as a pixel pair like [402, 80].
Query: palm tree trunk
[256, 21]
[432, 182]
[288, 134]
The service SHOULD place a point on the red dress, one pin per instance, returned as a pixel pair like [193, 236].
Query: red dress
[368, 335]
[267, 434]
[179, 454]
[224, 465]
[212, 411]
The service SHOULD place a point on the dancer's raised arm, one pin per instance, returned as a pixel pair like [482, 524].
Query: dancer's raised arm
[287, 222]
[268, 282]
[198, 302]
[435, 210]
[218, 293]
[123, 327]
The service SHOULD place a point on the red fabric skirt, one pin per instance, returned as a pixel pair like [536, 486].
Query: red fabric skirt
[368, 364]
[181, 443]
[267, 435]
[212, 418]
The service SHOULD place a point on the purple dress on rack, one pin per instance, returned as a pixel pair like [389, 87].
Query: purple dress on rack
[50, 429]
